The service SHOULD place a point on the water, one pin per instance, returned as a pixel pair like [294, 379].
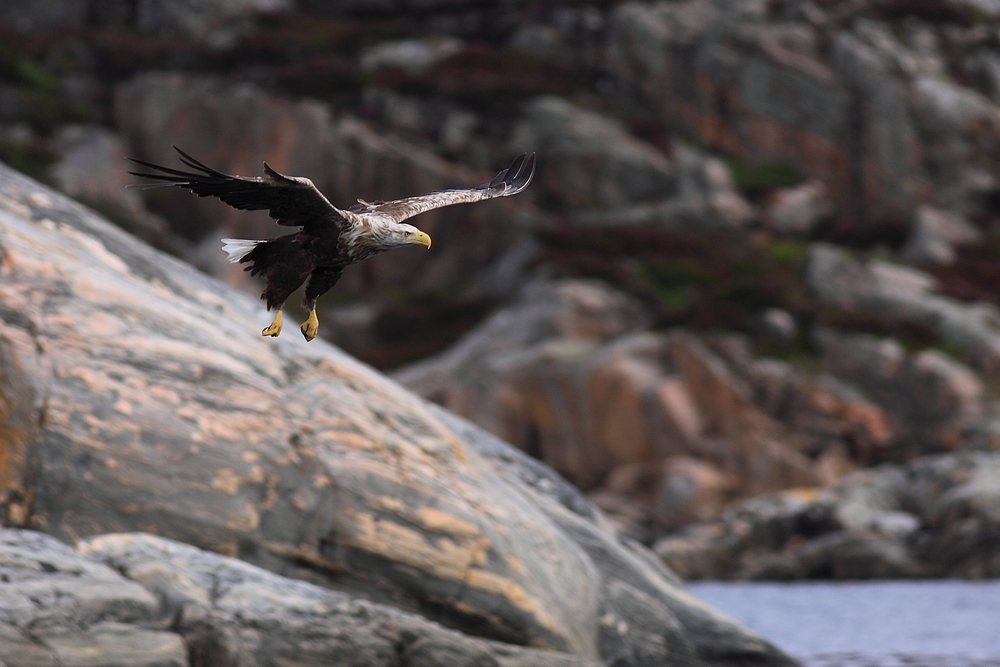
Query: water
[870, 624]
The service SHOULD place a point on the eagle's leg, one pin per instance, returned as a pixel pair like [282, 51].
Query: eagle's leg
[311, 326]
[319, 283]
[275, 327]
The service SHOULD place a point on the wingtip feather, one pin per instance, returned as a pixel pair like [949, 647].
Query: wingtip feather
[527, 172]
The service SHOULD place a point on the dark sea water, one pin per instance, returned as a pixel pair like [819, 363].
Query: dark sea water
[876, 624]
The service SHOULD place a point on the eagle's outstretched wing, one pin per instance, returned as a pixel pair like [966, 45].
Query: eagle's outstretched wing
[510, 181]
[290, 200]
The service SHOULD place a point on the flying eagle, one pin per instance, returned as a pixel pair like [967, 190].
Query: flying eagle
[329, 239]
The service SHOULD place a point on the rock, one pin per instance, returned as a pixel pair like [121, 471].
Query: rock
[826, 413]
[71, 608]
[905, 295]
[12, 103]
[944, 396]
[691, 490]
[416, 56]
[874, 403]
[778, 325]
[153, 403]
[796, 211]
[893, 175]
[986, 66]
[217, 23]
[27, 16]
[891, 521]
[602, 176]
[836, 277]
[717, 73]
[227, 610]
[965, 123]
[895, 405]
[541, 41]
[642, 500]
[605, 407]
[500, 374]
[591, 161]
[90, 169]
[935, 235]
[725, 548]
[456, 131]
[932, 398]
[627, 517]
[859, 101]
[61, 608]
[866, 360]
[727, 209]
[754, 448]
[463, 378]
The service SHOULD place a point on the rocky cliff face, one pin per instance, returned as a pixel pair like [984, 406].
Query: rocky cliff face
[867, 105]
[791, 209]
[139, 396]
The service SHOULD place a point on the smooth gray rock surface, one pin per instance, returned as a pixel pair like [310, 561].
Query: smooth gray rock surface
[229, 612]
[60, 608]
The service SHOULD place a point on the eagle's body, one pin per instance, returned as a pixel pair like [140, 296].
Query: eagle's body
[329, 239]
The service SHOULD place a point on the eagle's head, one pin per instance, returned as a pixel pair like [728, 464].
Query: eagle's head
[400, 236]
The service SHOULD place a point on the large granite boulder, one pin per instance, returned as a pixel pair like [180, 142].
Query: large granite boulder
[139, 395]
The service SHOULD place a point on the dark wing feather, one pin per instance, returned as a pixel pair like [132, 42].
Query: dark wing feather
[508, 182]
[290, 200]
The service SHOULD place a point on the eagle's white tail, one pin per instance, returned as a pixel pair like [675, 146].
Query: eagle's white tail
[238, 248]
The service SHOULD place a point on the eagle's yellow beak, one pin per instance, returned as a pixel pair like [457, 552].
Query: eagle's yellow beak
[420, 238]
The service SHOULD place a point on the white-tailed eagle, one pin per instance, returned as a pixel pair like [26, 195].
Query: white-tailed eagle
[329, 239]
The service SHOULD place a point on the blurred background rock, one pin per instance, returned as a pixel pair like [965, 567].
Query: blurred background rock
[761, 254]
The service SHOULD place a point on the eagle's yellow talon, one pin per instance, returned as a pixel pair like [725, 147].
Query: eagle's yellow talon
[275, 328]
[311, 326]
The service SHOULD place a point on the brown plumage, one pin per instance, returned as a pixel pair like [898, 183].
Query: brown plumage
[329, 239]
